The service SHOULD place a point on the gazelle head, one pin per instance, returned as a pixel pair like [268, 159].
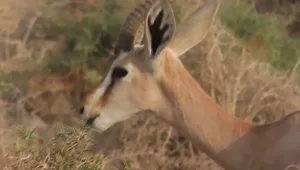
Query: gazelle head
[131, 84]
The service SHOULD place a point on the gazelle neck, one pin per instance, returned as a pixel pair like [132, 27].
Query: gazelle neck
[195, 111]
[230, 141]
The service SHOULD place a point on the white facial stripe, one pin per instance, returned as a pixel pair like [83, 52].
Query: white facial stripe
[119, 58]
[101, 90]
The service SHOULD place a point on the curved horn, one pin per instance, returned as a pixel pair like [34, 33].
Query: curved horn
[139, 34]
[131, 26]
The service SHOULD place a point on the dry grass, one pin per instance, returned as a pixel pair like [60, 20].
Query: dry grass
[241, 84]
[38, 113]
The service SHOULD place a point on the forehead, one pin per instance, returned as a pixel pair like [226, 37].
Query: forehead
[121, 60]
[125, 57]
[135, 57]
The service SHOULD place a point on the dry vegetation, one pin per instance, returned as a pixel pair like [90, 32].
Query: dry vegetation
[49, 49]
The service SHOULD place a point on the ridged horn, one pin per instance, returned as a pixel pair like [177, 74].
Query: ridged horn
[131, 26]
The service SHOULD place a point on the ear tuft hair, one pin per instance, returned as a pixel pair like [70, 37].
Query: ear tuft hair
[159, 27]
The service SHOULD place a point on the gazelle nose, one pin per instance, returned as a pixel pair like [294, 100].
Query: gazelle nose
[81, 110]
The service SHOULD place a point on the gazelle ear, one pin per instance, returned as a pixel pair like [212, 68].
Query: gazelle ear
[159, 27]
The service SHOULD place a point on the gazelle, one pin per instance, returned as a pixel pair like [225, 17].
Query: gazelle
[150, 76]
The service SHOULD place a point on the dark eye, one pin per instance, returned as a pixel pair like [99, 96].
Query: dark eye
[119, 72]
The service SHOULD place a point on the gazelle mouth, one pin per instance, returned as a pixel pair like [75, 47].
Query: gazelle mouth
[91, 120]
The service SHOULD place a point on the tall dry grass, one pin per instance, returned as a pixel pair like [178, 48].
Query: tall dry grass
[243, 85]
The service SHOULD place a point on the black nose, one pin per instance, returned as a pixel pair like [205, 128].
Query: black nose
[81, 110]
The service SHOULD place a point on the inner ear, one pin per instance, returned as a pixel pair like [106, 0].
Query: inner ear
[157, 34]
[159, 28]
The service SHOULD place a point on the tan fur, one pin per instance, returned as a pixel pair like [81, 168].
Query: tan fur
[171, 92]
[233, 143]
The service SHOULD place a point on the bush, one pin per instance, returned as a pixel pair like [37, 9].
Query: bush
[247, 24]
[86, 38]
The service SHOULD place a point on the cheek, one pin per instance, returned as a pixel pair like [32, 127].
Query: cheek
[114, 112]
[145, 92]
[121, 101]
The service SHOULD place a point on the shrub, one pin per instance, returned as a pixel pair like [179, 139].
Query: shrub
[86, 38]
[247, 24]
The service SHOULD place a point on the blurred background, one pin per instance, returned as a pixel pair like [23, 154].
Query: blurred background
[52, 49]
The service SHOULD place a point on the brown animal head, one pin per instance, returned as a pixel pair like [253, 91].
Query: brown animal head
[133, 81]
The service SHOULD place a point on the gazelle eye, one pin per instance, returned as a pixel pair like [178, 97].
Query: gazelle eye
[119, 72]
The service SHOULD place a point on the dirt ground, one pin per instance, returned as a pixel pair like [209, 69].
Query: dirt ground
[40, 128]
